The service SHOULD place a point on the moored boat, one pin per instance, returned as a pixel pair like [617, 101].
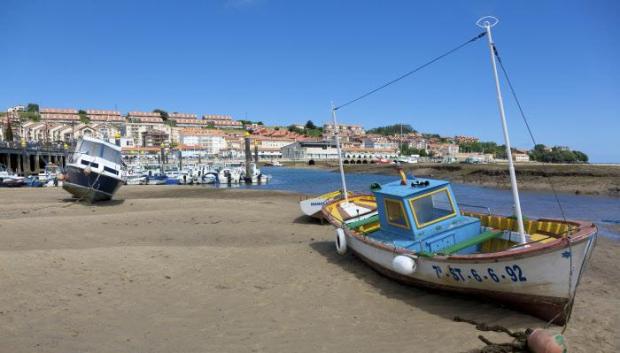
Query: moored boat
[9, 179]
[312, 206]
[94, 172]
[255, 176]
[273, 163]
[422, 237]
[356, 208]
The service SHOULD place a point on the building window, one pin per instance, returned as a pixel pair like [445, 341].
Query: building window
[396, 213]
[432, 207]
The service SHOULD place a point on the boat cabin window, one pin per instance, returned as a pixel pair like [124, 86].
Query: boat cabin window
[89, 148]
[396, 213]
[111, 154]
[432, 207]
[99, 150]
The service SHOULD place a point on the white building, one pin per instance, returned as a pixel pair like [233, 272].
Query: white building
[310, 150]
[379, 143]
[521, 157]
[141, 124]
[210, 143]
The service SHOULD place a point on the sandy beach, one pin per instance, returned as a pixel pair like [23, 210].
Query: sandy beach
[190, 269]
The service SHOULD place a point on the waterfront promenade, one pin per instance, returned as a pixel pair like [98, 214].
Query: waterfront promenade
[31, 158]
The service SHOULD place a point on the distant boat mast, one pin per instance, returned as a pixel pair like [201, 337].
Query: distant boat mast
[486, 23]
[337, 138]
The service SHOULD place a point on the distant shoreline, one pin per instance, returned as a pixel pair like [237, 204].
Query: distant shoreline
[581, 179]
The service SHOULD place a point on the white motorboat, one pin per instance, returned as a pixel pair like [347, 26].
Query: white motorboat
[94, 172]
[10, 179]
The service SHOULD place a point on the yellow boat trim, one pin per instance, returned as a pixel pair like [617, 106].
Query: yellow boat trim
[402, 210]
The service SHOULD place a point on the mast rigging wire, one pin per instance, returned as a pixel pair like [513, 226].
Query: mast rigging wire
[411, 72]
[568, 307]
[527, 125]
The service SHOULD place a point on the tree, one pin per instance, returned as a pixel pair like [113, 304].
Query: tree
[293, 128]
[429, 136]
[312, 132]
[162, 114]
[310, 125]
[32, 108]
[541, 153]
[84, 119]
[8, 132]
[30, 113]
[32, 116]
[581, 157]
[392, 130]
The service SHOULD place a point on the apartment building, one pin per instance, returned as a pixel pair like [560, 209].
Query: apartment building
[346, 132]
[306, 150]
[209, 141]
[222, 121]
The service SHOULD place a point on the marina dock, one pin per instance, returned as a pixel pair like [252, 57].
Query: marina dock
[31, 159]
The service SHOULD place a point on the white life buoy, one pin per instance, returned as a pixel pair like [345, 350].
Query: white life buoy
[341, 241]
[404, 265]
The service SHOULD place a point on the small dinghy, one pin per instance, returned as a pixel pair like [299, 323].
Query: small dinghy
[94, 172]
[312, 206]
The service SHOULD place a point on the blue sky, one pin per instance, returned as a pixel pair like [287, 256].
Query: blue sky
[284, 61]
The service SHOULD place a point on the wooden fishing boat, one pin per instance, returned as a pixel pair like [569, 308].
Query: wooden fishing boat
[358, 208]
[422, 237]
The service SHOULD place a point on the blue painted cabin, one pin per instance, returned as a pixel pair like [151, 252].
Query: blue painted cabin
[423, 216]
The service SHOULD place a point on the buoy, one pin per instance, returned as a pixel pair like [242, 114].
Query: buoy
[341, 241]
[543, 341]
[404, 265]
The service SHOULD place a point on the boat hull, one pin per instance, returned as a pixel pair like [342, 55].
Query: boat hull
[312, 207]
[535, 281]
[90, 186]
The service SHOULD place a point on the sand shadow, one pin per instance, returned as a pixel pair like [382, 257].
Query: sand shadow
[436, 302]
[309, 220]
[108, 203]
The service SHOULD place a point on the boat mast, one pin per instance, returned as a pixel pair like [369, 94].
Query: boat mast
[486, 23]
[337, 138]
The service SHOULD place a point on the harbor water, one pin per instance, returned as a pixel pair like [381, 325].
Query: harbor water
[602, 210]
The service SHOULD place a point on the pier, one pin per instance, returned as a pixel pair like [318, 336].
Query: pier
[27, 159]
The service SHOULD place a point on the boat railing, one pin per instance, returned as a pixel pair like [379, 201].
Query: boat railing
[488, 209]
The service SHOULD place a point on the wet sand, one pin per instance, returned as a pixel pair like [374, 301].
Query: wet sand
[187, 269]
